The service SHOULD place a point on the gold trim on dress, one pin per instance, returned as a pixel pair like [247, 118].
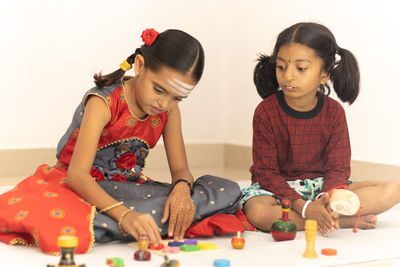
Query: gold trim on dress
[123, 140]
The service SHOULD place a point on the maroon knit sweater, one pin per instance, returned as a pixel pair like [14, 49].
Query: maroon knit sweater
[290, 145]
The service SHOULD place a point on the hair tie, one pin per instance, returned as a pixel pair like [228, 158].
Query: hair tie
[125, 66]
[149, 36]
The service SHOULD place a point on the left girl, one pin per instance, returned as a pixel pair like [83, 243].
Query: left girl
[97, 190]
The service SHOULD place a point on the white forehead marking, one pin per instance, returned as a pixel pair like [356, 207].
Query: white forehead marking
[179, 87]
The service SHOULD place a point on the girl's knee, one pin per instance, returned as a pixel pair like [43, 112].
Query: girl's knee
[391, 190]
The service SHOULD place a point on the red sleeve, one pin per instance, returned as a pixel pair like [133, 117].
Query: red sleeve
[265, 169]
[337, 154]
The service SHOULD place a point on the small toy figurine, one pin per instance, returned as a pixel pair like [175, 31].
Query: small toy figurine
[67, 246]
[344, 201]
[169, 263]
[115, 262]
[311, 234]
[237, 241]
[142, 254]
[284, 229]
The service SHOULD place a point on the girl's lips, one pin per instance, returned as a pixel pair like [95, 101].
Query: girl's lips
[289, 88]
[155, 110]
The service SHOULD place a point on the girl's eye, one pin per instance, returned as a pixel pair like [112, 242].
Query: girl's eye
[301, 69]
[280, 67]
[158, 91]
[178, 99]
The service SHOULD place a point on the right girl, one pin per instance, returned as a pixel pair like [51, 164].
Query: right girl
[301, 143]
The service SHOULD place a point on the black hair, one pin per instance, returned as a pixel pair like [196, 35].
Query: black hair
[172, 48]
[344, 73]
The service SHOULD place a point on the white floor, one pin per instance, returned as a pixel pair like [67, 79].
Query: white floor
[379, 247]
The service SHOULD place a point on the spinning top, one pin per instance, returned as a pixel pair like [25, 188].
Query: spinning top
[67, 246]
[142, 254]
[237, 241]
[169, 263]
[284, 229]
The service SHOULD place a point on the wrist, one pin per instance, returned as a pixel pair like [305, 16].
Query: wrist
[182, 183]
[304, 209]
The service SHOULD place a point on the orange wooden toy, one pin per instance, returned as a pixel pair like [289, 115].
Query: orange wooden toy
[237, 241]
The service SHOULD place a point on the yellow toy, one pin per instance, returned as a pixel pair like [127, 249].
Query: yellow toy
[311, 234]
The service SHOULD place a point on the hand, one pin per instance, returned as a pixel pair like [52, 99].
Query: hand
[335, 216]
[318, 211]
[137, 224]
[180, 209]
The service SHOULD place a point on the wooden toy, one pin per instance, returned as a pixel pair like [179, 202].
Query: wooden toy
[115, 262]
[159, 247]
[329, 251]
[311, 234]
[344, 201]
[284, 229]
[192, 241]
[207, 246]
[222, 263]
[169, 263]
[175, 244]
[142, 254]
[189, 248]
[67, 246]
[237, 241]
[169, 249]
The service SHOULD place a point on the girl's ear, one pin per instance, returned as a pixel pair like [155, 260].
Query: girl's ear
[325, 77]
[139, 64]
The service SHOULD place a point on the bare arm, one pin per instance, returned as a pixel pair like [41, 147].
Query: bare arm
[95, 118]
[179, 206]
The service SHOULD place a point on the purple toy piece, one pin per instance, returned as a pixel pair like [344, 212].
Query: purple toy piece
[190, 242]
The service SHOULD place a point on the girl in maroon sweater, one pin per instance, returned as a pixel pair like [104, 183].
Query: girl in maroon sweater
[301, 145]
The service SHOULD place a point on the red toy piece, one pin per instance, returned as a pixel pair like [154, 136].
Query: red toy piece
[284, 229]
[159, 247]
[329, 251]
[142, 254]
[237, 241]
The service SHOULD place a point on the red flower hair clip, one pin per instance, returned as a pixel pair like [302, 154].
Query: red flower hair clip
[149, 36]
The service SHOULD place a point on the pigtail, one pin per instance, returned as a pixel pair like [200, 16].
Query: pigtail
[264, 76]
[345, 76]
[107, 80]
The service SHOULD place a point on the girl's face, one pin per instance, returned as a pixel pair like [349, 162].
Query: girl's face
[299, 73]
[156, 92]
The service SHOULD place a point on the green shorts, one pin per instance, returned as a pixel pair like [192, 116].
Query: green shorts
[308, 189]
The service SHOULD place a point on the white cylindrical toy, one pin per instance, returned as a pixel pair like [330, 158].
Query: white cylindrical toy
[344, 202]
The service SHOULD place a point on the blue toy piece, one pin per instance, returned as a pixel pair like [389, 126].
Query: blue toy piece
[222, 263]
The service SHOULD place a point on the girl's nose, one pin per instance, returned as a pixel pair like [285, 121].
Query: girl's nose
[289, 73]
[163, 102]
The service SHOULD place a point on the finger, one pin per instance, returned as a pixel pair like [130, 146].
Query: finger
[156, 230]
[184, 224]
[151, 233]
[172, 222]
[322, 231]
[166, 211]
[178, 228]
[188, 221]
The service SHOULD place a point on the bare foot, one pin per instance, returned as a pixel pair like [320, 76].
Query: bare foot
[367, 221]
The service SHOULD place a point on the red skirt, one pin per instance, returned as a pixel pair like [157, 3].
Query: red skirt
[41, 208]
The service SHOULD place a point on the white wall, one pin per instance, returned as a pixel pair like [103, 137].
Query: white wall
[49, 51]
